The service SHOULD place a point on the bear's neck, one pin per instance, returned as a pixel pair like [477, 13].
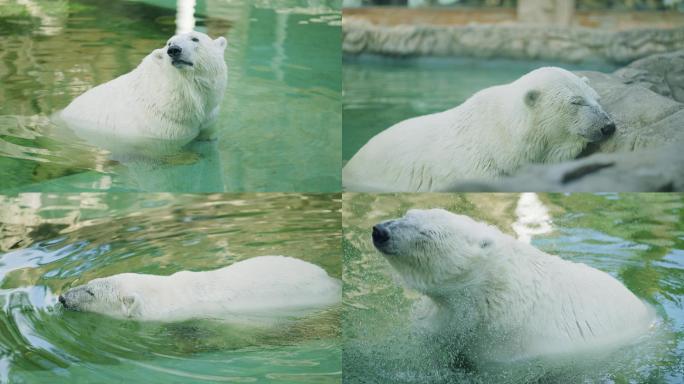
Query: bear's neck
[166, 88]
[534, 148]
[510, 147]
[544, 143]
[483, 293]
[503, 154]
[520, 138]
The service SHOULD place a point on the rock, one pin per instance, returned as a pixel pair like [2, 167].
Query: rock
[662, 74]
[643, 118]
[653, 170]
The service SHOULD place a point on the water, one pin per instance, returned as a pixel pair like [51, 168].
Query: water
[50, 242]
[279, 123]
[637, 238]
[380, 91]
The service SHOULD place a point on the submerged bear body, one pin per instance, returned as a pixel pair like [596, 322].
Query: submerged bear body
[257, 289]
[499, 299]
[173, 95]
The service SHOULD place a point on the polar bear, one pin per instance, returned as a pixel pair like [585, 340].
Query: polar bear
[548, 115]
[174, 94]
[499, 299]
[260, 289]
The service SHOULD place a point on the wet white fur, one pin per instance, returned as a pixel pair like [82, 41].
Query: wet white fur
[157, 100]
[491, 134]
[500, 299]
[257, 289]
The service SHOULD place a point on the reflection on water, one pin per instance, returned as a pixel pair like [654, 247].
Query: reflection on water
[185, 16]
[380, 92]
[282, 102]
[532, 217]
[637, 238]
[50, 242]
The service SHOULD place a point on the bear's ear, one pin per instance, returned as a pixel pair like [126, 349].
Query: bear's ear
[531, 97]
[220, 42]
[131, 305]
[584, 78]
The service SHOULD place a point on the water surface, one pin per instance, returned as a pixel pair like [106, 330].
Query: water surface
[637, 238]
[279, 123]
[50, 242]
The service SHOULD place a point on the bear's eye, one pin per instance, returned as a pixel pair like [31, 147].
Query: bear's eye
[578, 101]
[196, 40]
[88, 291]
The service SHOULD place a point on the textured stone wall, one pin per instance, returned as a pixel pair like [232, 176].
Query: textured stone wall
[558, 12]
[510, 40]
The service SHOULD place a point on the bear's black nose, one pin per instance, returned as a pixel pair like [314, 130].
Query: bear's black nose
[62, 299]
[608, 129]
[174, 51]
[380, 235]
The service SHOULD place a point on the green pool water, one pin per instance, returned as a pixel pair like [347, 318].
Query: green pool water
[382, 91]
[279, 123]
[636, 238]
[50, 242]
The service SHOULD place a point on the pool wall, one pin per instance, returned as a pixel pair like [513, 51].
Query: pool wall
[471, 33]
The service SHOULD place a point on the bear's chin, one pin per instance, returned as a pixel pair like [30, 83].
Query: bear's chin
[595, 138]
[386, 250]
[181, 64]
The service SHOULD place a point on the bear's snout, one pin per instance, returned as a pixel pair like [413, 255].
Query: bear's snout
[381, 235]
[62, 300]
[174, 51]
[608, 129]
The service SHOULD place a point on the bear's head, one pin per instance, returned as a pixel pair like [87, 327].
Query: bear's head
[436, 251]
[107, 296]
[563, 112]
[193, 52]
